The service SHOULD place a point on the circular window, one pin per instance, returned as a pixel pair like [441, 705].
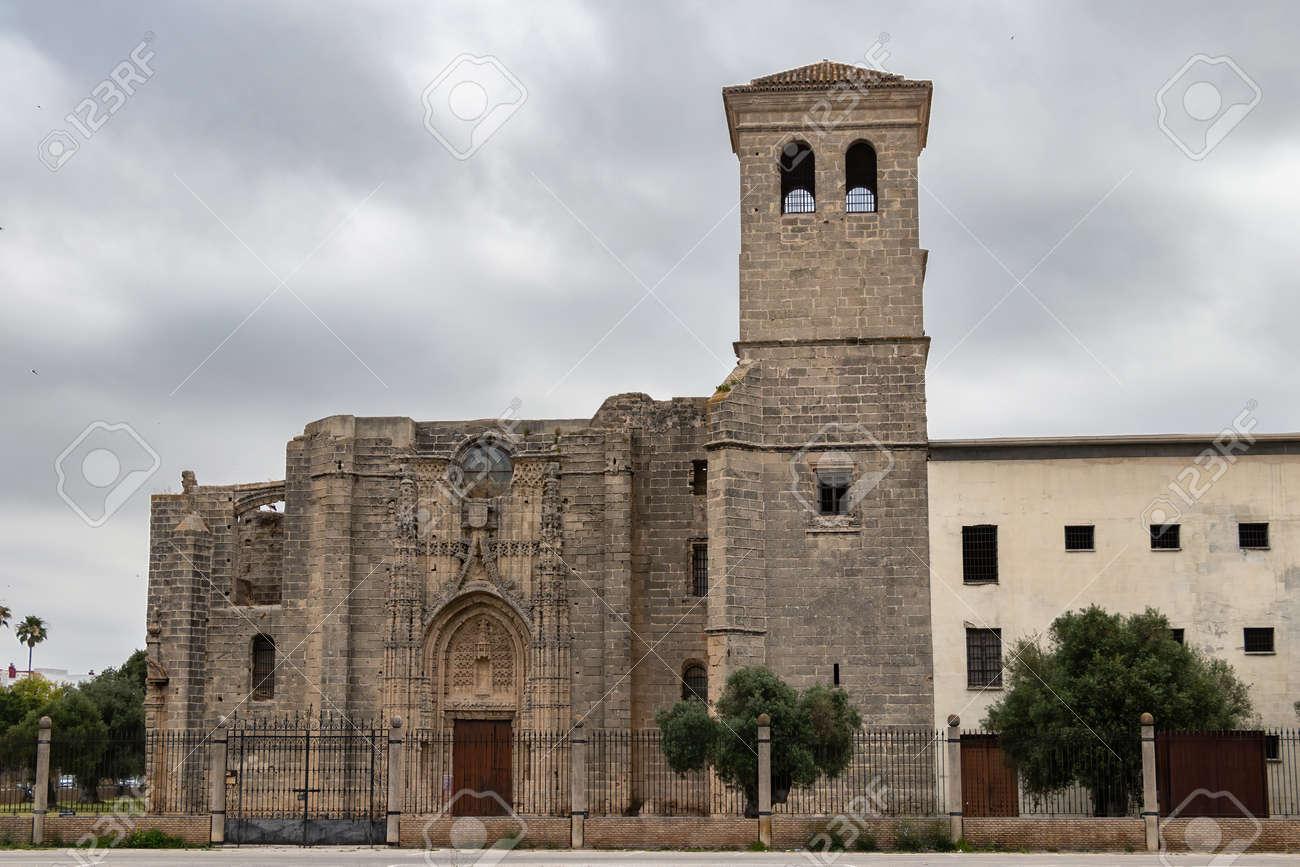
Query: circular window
[483, 470]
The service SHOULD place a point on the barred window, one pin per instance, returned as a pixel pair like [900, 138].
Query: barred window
[1165, 537]
[263, 668]
[699, 477]
[1273, 748]
[798, 179]
[1079, 537]
[1258, 639]
[1252, 535]
[700, 569]
[979, 554]
[695, 682]
[860, 178]
[983, 658]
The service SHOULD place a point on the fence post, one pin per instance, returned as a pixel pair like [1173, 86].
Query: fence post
[1150, 801]
[765, 779]
[952, 766]
[396, 783]
[41, 794]
[217, 783]
[577, 787]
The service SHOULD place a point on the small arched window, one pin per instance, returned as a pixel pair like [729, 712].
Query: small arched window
[798, 179]
[695, 682]
[263, 665]
[862, 193]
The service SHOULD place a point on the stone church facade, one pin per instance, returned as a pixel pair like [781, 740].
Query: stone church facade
[545, 572]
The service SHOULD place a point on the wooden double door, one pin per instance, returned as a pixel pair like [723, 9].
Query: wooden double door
[482, 753]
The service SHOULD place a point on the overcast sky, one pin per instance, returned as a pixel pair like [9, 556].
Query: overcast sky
[287, 141]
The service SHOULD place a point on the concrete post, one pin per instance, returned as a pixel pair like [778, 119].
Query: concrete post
[217, 783]
[578, 787]
[765, 779]
[396, 782]
[1150, 800]
[952, 768]
[41, 795]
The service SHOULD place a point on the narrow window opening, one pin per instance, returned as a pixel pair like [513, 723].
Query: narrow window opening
[1273, 748]
[700, 569]
[861, 196]
[695, 683]
[1178, 635]
[798, 179]
[979, 554]
[699, 477]
[263, 668]
[836, 674]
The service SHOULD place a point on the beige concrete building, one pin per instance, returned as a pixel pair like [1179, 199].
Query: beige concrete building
[1022, 530]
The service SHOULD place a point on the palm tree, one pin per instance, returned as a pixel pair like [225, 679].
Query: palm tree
[31, 631]
[5, 614]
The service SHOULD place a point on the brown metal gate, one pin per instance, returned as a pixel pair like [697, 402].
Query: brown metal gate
[481, 768]
[988, 779]
[1197, 771]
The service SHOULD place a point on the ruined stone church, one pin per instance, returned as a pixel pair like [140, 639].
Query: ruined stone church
[535, 573]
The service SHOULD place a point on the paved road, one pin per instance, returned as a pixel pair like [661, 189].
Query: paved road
[364, 857]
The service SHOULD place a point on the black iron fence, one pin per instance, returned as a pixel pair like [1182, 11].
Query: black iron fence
[628, 775]
[1282, 754]
[335, 770]
[893, 772]
[158, 772]
[1080, 776]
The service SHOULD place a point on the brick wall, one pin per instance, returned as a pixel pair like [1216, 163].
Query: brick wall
[67, 830]
[1112, 835]
[789, 832]
[1221, 835]
[424, 832]
[664, 832]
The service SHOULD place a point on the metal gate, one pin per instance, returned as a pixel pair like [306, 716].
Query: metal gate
[306, 786]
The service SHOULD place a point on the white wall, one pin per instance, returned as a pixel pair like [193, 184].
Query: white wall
[1210, 587]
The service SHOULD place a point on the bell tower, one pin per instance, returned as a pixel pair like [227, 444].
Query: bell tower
[818, 522]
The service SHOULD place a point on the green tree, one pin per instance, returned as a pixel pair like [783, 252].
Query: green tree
[117, 694]
[812, 733]
[5, 615]
[77, 744]
[1070, 712]
[31, 631]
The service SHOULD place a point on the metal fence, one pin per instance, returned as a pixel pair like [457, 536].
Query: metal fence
[17, 785]
[1087, 775]
[531, 771]
[893, 772]
[336, 770]
[158, 772]
[1282, 754]
[628, 775]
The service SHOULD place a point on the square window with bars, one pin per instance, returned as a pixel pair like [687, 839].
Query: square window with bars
[1258, 639]
[1079, 537]
[700, 569]
[1252, 535]
[699, 477]
[983, 658]
[1166, 537]
[979, 554]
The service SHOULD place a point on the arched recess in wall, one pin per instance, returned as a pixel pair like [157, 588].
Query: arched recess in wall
[798, 178]
[862, 190]
[476, 660]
